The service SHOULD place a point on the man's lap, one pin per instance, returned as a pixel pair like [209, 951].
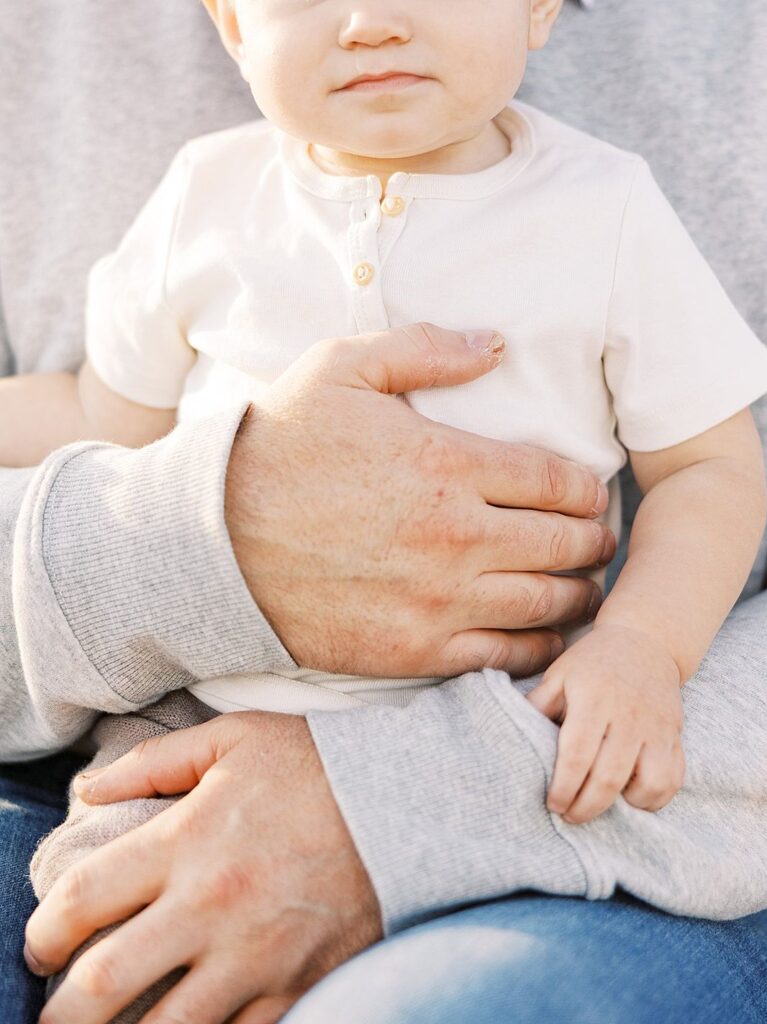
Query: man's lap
[32, 802]
[530, 958]
[535, 959]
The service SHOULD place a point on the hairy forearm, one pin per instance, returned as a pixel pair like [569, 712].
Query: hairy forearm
[692, 547]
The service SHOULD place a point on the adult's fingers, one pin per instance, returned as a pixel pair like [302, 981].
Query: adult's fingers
[525, 540]
[207, 994]
[520, 476]
[116, 970]
[407, 358]
[609, 773]
[268, 1010]
[161, 766]
[521, 653]
[524, 600]
[108, 886]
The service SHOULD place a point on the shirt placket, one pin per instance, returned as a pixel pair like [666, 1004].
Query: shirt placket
[374, 226]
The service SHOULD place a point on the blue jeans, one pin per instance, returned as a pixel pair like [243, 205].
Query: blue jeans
[32, 802]
[528, 959]
[535, 959]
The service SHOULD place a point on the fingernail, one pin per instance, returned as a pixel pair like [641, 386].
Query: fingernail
[33, 963]
[82, 786]
[602, 500]
[608, 550]
[594, 604]
[557, 646]
[489, 343]
[84, 782]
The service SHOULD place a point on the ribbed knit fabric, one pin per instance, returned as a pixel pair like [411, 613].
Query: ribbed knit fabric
[487, 835]
[99, 527]
[482, 743]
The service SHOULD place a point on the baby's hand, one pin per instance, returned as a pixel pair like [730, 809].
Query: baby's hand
[617, 692]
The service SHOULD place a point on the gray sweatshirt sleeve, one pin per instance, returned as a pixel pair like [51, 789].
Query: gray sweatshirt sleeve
[119, 584]
[445, 799]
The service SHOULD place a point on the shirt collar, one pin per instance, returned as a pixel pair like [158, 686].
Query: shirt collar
[477, 185]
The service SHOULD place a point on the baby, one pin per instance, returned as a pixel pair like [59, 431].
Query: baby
[390, 183]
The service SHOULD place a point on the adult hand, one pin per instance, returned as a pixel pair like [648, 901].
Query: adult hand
[379, 542]
[251, 881]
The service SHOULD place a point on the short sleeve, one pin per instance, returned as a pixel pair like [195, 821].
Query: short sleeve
[678, 357]
[134, 340]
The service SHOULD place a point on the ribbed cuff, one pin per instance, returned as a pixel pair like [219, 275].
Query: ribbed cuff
[138, 555]
[445, 801]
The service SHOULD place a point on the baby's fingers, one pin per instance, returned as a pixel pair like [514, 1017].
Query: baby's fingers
[580, 738]
[658, 777]
[610, 772]
[549, 697]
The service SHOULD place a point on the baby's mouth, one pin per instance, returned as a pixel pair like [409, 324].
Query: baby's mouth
[392, 81]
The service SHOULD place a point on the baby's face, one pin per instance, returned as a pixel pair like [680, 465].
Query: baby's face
[464, 60]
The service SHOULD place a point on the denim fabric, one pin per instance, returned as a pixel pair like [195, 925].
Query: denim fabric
[535, 959]
[528, 959]
[32, 802]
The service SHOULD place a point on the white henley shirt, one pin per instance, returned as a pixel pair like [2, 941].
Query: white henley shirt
[618, 334]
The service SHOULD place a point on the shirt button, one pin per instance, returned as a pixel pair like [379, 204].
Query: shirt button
[393, 206]
[363, 273]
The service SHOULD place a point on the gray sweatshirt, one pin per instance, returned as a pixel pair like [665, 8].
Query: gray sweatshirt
[102, 610]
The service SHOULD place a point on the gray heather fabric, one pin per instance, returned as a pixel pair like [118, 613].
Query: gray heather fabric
[462, 828]
[94, 102]
[124, 585]
[105, 607]
[87, 828]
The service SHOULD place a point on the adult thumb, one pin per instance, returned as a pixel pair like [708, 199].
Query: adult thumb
[410, 358]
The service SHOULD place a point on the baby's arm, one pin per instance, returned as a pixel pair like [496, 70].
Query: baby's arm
[691, 549]
[42, 412]
[694, 539]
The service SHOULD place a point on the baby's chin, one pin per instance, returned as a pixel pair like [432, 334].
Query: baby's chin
[381, 136]
[383, 146]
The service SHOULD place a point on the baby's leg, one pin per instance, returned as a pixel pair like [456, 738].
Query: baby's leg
[87, 828]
